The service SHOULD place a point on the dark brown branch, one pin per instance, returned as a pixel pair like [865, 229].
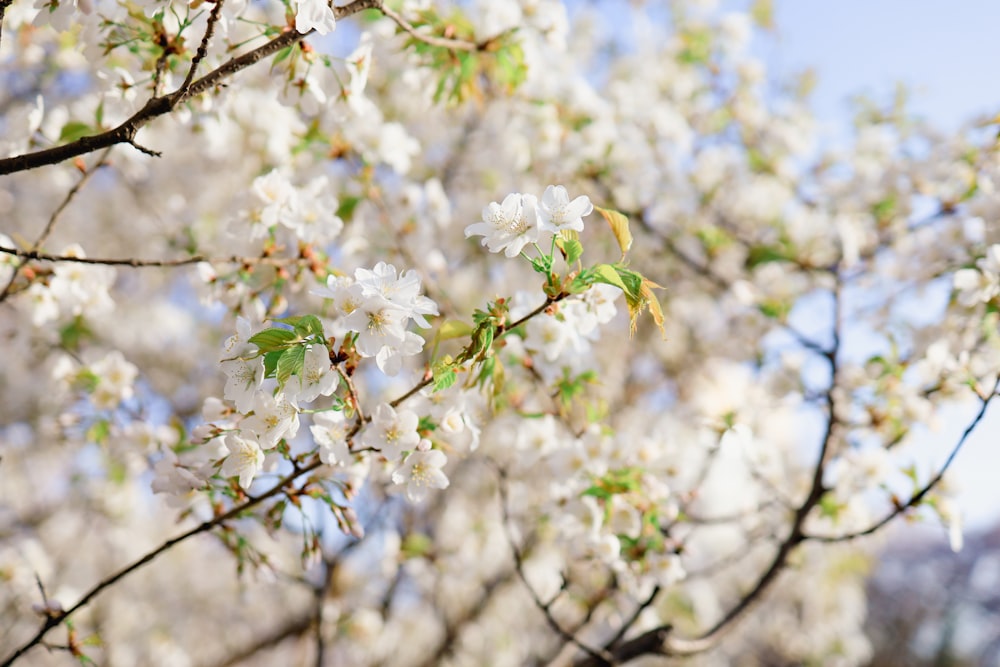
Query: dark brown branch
[659, 640]
[55, 619]
[213, 19]
[295, 626]
[917, 497]
[161, 105]
[151, 263]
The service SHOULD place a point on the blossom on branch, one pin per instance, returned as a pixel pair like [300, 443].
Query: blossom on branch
[420, 472]
[509, 225]
[556, 212]
[314, 15]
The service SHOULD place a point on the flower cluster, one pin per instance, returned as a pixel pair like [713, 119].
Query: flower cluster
[520, 218]
[376, 306]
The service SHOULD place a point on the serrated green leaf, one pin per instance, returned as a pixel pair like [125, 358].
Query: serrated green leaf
[273, 339]
[571, 249]
[290, 363]
[444, 377]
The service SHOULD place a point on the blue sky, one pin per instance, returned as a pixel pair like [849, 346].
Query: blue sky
[948, 55]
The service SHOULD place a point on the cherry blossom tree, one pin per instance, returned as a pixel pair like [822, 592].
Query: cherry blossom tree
[417, 333]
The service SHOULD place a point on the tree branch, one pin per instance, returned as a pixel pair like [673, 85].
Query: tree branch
[917, 497]
[29, 255]
[443, 42]
[161, 105]
[50, 225]
[601, 656]
[659, 640]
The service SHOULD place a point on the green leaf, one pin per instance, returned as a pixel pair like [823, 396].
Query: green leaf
[571, 249]
[416, 545]
[542, 265]
[291, 362]
[71, 335]
[74, 130]
[606, 273]
[619, 227]
[271, 362]
[763, 254]
[776, 309]
[347, 206]
[272, 339]
[444, 376]
[283, 54]
[309, 325]
[99, 431]
[451, 329]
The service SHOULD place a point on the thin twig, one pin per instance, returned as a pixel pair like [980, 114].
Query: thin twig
[50, 225]
[160, 105]
[917, 497]
[600, 655]
[213, 19]
[150, 263]
[659, 640]
[443, 42]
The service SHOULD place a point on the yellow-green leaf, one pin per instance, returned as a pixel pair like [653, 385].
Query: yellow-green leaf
[655, 311]
[606, 273]
[454, 329]
[619, 227]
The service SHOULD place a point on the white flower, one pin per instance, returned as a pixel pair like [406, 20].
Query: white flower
[278, 197]
[115, 377]
[245, 458]
[358, 65]
[378, 322]
[556, 212]
[979, 285]
[8, 262]
[42, 304]
[624, 518]
[342, 291]
[238, 344]
[314, 218]
[403, 291]
[396, 147]
[314, 15]
[273, 418]
[422, 471]
[391, 432]
[244, 378]
[666, 569]
[390, 359]
[508, 226]
[329, 430]
[317, 377]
